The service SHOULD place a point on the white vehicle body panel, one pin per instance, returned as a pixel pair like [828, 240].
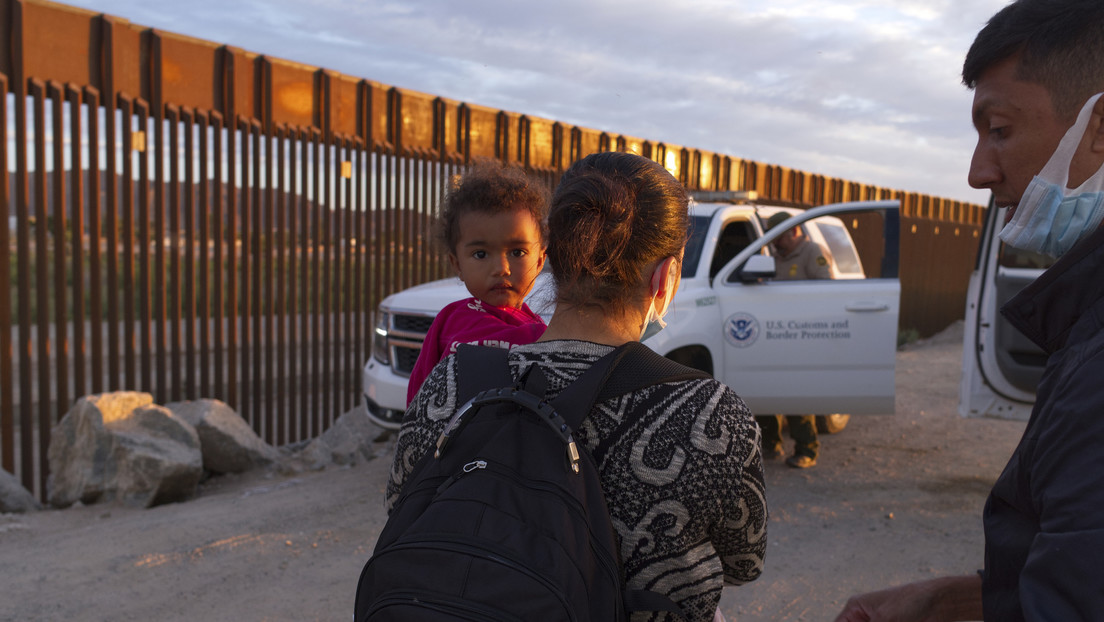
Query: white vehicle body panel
[787, 355]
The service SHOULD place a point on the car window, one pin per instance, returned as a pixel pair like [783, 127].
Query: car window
[699, 226]
[841, 247]
[734, 238]
[1011, 257]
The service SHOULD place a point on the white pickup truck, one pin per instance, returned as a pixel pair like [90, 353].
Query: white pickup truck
[787, 347]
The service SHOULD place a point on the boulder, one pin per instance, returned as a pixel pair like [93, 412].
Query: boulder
[14, 497]
[228, 443]
[351, 438]
[122, 447]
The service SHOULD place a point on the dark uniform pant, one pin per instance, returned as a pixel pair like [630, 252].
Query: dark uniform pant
[802, 431]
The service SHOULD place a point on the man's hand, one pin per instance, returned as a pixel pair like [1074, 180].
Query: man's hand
[946, 599]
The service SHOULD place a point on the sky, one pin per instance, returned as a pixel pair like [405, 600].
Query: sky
[863, 90]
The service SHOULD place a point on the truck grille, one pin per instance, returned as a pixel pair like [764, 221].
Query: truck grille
[413, 324]
[405, 358]
[405, 338]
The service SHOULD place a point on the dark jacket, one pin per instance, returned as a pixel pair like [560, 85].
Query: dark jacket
[1044, 519]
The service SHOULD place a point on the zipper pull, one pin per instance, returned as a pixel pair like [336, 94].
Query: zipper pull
[468, 468]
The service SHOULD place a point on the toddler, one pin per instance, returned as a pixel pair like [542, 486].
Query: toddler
[493, 224]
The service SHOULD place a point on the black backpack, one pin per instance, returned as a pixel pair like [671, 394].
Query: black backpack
[505, 519]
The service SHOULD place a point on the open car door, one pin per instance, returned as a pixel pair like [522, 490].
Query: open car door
[814, 346]
[1000, 367]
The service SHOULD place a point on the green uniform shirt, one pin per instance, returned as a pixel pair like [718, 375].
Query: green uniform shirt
[807, 261]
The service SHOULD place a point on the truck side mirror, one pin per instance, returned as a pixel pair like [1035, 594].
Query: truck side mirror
[757, 269]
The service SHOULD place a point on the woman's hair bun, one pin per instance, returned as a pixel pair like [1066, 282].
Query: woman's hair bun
[613, 215]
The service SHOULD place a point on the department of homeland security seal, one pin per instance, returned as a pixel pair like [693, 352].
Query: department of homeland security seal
[741, 329]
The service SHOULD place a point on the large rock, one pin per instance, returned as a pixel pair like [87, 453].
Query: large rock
[227, 442]
[122, 447]
[14, 497]
[350, 439]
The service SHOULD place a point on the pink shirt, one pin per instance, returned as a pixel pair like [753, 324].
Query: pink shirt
[472, 321]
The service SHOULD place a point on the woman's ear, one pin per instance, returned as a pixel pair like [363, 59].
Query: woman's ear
[663, 277]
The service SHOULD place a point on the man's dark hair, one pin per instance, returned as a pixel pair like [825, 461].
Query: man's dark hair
[1061, 47]
[777, 218]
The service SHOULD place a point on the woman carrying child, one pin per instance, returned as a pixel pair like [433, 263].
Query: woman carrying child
[680, 462]
[492, 223]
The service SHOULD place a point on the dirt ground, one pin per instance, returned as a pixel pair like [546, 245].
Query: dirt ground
[893, 499]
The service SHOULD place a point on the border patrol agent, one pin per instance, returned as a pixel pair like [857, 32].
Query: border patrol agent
[798, 258]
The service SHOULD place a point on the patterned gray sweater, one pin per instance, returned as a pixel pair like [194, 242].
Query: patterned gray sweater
[684, 484]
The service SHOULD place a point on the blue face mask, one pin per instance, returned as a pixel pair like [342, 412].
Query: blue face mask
[653, 322]
[654, 325]
[1051, 218]
[1058, 222]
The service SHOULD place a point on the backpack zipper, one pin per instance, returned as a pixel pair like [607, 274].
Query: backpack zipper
[441, 603]
[495, 469]
[476, 548]
[467, 468]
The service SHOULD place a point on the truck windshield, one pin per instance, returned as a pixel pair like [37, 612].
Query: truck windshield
[699, 226]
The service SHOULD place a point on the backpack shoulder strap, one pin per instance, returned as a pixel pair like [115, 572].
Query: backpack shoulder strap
[485, 367]
[640, 366]
[629, 367]
[479, 368]
[576, 400]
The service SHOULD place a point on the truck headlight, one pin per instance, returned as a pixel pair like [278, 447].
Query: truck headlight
[380, 349]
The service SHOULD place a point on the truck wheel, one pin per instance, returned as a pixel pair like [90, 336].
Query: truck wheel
[831, 424]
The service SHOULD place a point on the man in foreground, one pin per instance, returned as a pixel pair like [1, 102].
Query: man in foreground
[1036, 70]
